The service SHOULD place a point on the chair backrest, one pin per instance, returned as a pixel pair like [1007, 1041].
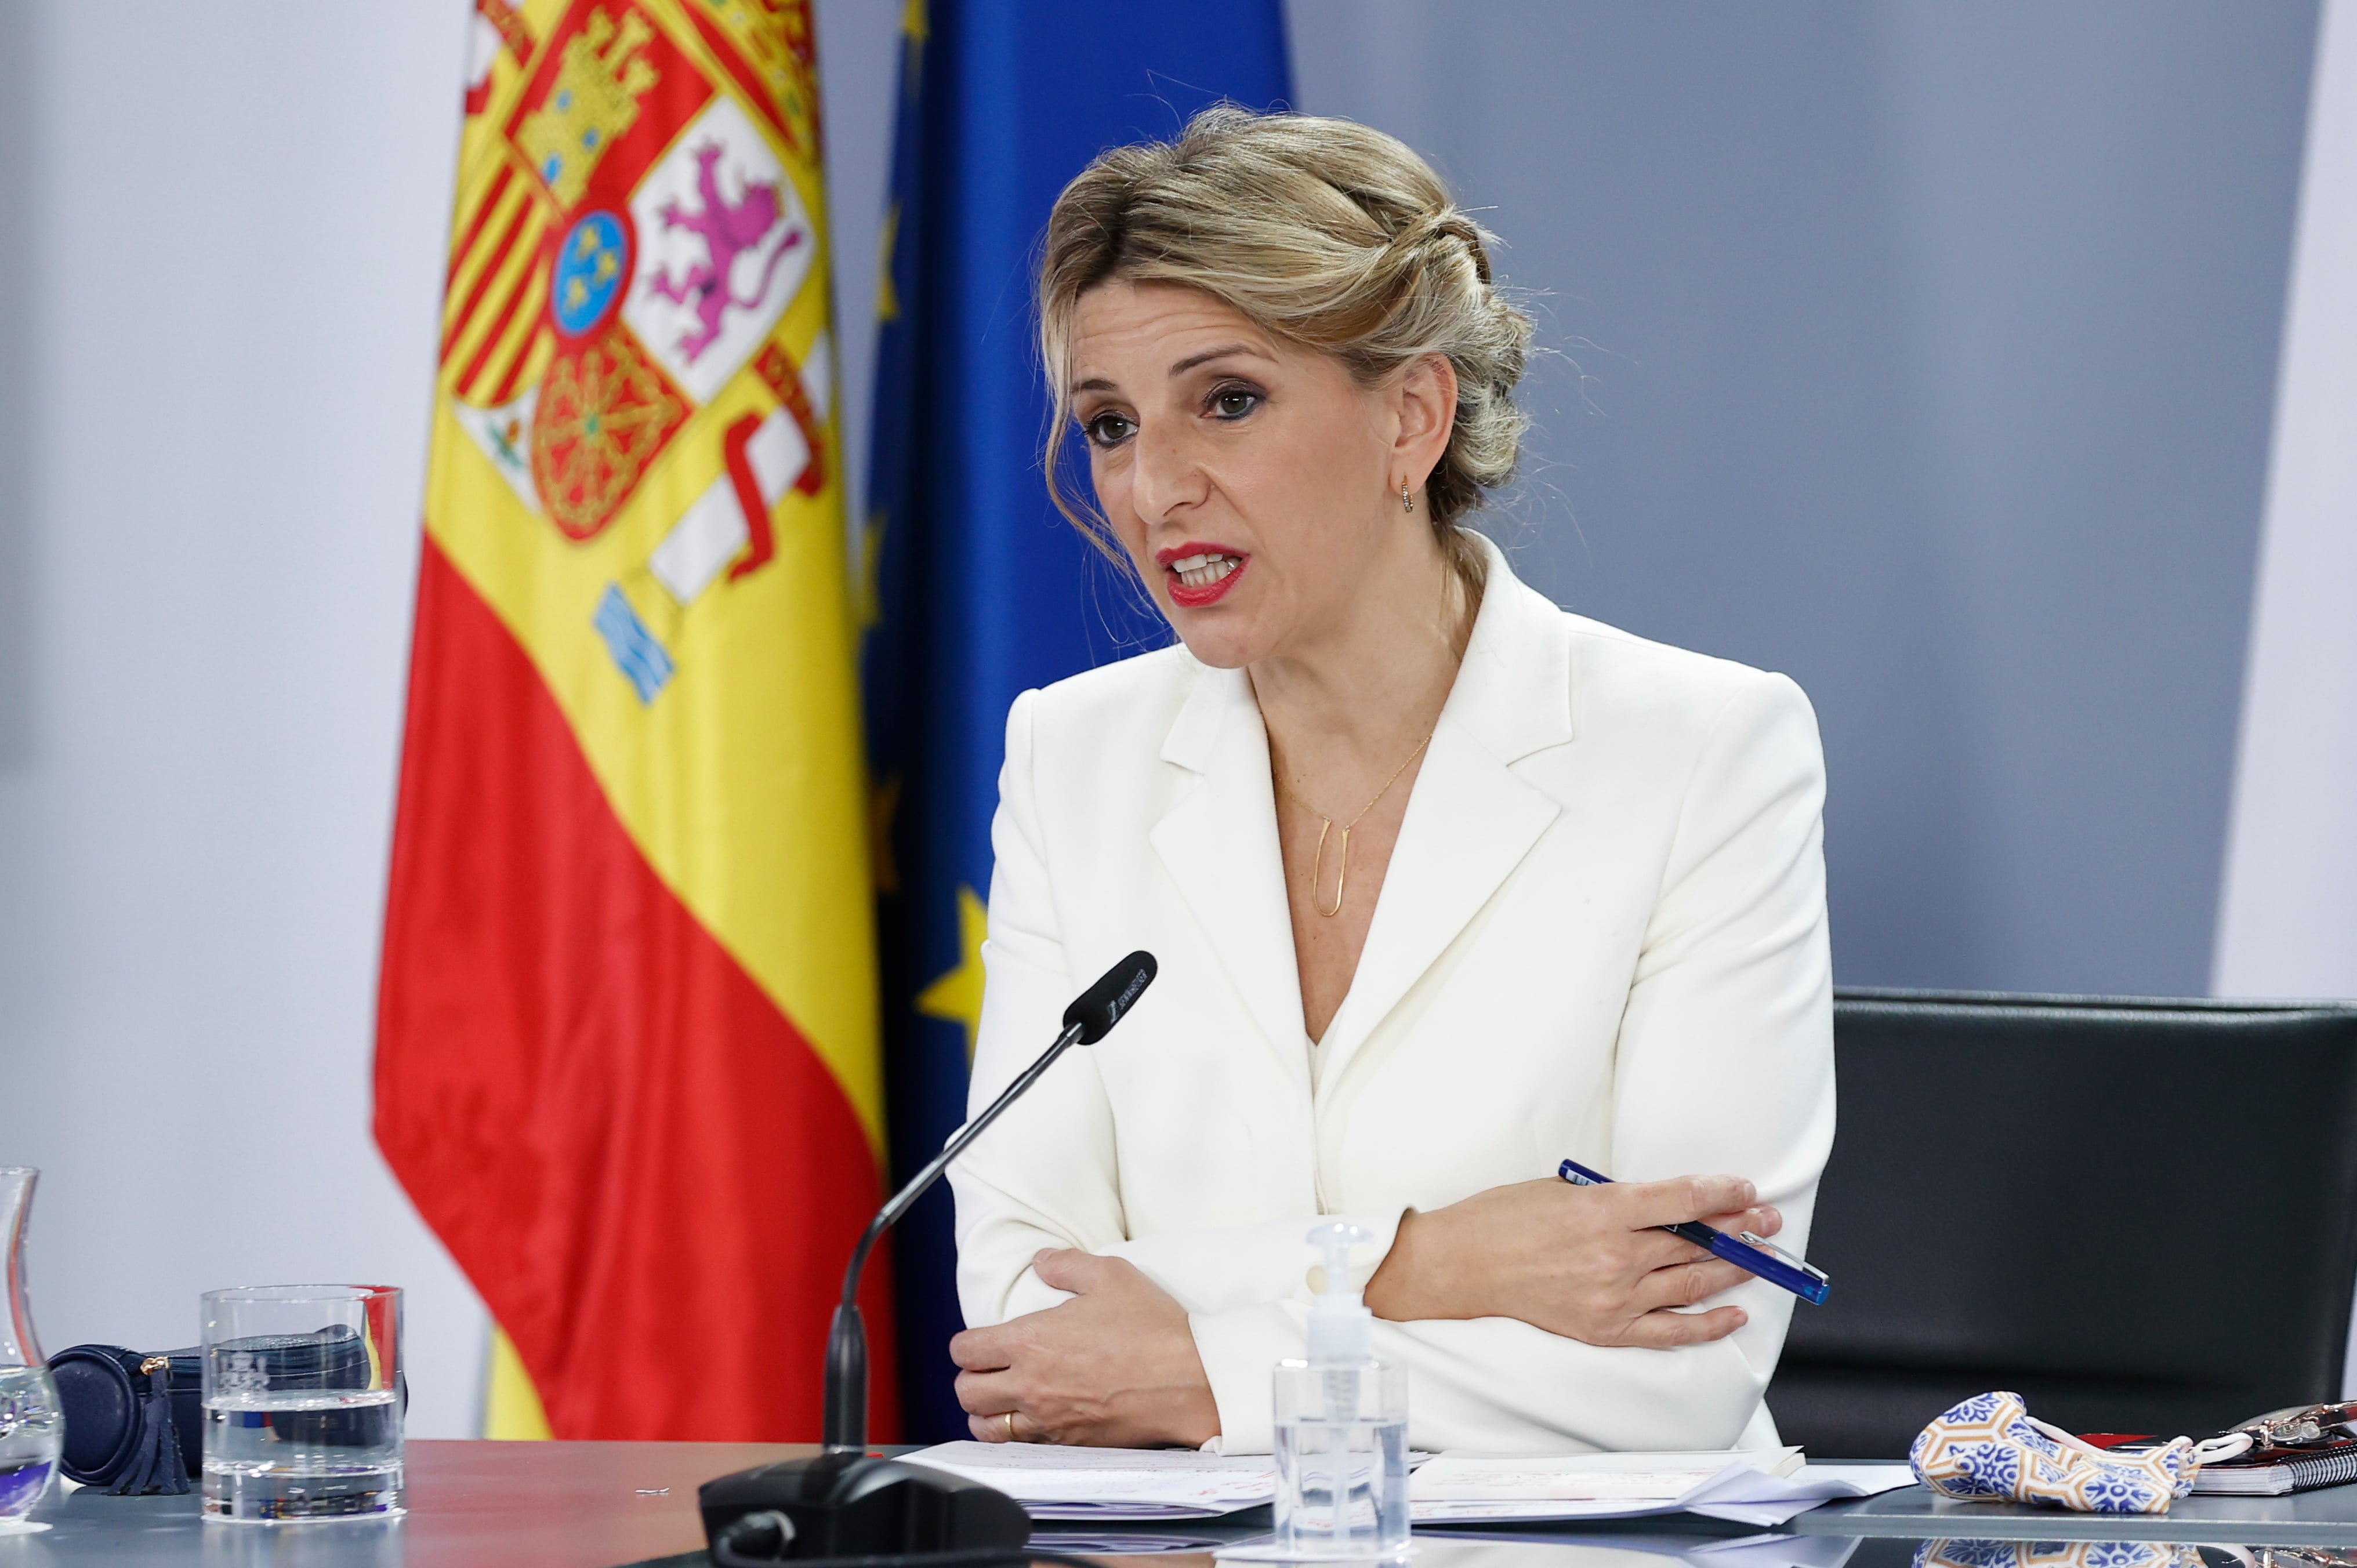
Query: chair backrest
[2139, 1215]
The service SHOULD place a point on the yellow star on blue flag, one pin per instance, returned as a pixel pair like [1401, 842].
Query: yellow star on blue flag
[956, 997]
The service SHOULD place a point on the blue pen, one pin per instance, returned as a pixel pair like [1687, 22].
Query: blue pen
[1744, 1249]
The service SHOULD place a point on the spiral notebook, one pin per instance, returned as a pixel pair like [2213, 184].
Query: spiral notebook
[2271, 1472]
[2262, 1472]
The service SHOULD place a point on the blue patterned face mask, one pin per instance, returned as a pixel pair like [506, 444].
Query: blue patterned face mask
[1992, 1449]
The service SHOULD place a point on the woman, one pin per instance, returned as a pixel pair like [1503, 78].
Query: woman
[1446, 884]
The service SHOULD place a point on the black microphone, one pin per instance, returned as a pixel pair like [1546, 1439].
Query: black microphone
[1099, 1007]
[1088, 1020]
[843, 1501]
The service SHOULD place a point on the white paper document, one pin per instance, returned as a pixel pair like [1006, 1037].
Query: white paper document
[1059, 1483]
[1765, 1488]
[1440, 1547]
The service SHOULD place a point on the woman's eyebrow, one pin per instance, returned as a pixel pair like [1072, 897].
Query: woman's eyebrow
[1099, 383]
[1192, 361]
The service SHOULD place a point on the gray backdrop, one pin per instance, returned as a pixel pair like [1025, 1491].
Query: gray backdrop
[1926, 352]
[15, 140]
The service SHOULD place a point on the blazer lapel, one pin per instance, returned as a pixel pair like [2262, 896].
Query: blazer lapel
[1471, 819]
[1218, 844]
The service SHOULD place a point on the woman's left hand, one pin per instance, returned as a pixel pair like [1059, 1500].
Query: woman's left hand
[1114, 1367]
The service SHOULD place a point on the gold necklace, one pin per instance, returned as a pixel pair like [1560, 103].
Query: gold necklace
[1326, 826]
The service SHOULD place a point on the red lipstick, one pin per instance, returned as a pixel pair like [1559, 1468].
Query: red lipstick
[1194, 597]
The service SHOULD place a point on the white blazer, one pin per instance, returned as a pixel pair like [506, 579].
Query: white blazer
[1602, 936]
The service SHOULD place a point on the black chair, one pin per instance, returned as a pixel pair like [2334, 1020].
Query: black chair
[2139, 1215]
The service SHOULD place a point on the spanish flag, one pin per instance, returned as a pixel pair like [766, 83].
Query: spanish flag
[627, 1057]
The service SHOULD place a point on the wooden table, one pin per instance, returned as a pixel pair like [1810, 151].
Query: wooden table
[551, 1505]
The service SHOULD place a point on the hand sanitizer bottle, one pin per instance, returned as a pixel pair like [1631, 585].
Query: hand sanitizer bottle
[1341, 1428]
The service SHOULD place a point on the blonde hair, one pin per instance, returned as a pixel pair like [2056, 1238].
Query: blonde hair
[1322, 233]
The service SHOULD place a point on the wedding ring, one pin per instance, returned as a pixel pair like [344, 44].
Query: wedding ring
[1010, 1426]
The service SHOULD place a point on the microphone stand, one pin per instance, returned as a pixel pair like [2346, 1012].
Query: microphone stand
[843, 1501]
[845, 1428]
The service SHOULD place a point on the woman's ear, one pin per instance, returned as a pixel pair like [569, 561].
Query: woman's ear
[1425, 397]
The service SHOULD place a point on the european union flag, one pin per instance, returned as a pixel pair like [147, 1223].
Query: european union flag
[980, 588]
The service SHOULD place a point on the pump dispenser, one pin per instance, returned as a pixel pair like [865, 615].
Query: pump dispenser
[1342, 1427]
[1341, 1330]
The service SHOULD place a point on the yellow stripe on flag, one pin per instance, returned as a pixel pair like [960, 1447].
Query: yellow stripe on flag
[490, 226]
[519, 272]
[517, 339]
[510, 1405]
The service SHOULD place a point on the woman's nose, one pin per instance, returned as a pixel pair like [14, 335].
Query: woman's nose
[1166, 479]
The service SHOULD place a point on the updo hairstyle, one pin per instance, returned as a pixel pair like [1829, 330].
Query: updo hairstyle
[1322, 233]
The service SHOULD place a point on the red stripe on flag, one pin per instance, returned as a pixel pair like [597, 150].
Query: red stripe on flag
[463, 384]
[483, 211]
[506, 387]
[491, 266]
[647, 1172]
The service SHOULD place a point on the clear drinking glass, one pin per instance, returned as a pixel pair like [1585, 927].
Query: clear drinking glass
[302, 1402]
[32, 1428]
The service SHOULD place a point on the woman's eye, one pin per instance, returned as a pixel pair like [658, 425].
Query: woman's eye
[1235, 403]
[1109, 429]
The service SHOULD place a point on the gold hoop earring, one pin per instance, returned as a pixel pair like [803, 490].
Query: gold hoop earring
[1405, 504]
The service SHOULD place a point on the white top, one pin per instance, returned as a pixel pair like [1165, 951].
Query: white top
[1602, 936]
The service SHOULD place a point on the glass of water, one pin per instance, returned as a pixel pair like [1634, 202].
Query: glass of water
[32, 1426]
[302, 1402]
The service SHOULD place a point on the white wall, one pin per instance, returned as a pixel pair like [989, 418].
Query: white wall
[858, 61]
[2287, 919]
[219, 288]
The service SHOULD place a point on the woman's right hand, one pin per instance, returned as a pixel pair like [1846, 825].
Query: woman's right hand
[1582, 1261]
